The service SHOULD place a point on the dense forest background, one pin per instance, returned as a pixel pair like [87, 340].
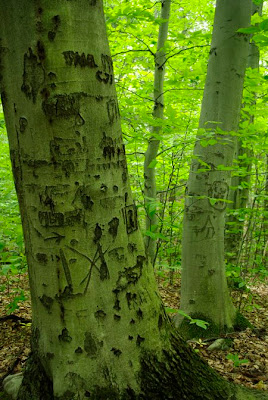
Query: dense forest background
[133, 34]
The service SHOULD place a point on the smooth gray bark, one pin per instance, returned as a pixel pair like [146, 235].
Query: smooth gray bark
[240, 195]
[204, 291]
[150, 192]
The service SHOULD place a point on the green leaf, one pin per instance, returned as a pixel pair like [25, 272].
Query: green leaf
[264, 25]
[199, 322]
[250, 29]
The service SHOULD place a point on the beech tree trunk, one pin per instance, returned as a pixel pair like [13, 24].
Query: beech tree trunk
[204, 292]
[240, 195]
[150, 193]
[99, 329]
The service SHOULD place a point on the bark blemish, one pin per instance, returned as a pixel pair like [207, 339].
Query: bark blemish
[130, 275]
[64, 336]
[132, 247]
[116, 352]
[23, 124]
[130, 218]
[47, 302]
[117, 254]
[100, 314]
[33, 75]
[45, 93]
[104, 187]
[79, 350]
[52, 75]
[211, 272]
[117, 305]
[97, 233]
[79, 120]
[55, 25]
[42, 258]
[124, 177]
[139, 340]
[113, 227]
[76, 59]
[131, 298]
[112, 110]
[41, 51]
[63, 105]
[91, 345]
[139, 314]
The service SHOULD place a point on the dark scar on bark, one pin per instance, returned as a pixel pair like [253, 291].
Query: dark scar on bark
[97, 233]
[65, 337]
[113, 227]
[42, 258]
[55, 26]
[116, 352]
[131, 298]
[23, 124]
[79, 350]
[139, 340]
[33, 74]
[130, 218]
[100, 314]
[47, 302]
[76, 59]
[41, 51]
[66, 269]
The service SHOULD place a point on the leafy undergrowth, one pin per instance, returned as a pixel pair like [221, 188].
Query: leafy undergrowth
[248, 345]
[246, 361]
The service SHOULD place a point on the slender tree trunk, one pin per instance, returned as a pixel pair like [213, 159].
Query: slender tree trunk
[204, 291]
[153, 145]
[99, 328]
[240, 195]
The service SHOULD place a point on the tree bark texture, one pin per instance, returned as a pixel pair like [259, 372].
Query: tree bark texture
[239, 195]
[150, 192]
[99, 328]
[204, 291]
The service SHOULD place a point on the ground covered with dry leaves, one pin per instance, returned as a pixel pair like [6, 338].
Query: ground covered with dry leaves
[250, 345]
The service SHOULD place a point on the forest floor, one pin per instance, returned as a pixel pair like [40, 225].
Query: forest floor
[250, 345]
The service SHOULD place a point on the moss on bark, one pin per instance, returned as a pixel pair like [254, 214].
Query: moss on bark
[35, 385]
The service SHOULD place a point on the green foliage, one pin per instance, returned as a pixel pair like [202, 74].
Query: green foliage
[236, 360]
[198, 322]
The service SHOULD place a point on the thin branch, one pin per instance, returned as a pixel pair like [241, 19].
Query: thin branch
[182, 50]
[128, 51]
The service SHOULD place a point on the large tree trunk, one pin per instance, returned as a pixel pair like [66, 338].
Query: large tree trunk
[204, 291]
[154, 142]
[99, 327]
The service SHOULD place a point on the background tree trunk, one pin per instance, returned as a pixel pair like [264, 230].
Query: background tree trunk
[240, 195]
[204, 291]
[150, 198]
